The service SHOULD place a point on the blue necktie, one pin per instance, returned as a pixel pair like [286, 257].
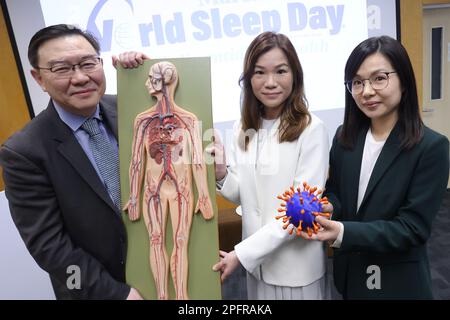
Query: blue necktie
[106, 158]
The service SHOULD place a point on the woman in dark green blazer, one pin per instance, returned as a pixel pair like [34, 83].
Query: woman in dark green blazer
[388, 174]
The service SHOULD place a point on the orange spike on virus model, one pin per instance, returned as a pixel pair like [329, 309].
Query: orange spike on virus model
[301, 209]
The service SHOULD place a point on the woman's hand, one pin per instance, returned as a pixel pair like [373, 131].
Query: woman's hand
[328, 208]
[227, 264]
[329, 230]
[217, 151]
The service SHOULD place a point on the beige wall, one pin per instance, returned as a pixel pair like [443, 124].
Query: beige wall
[13, 108]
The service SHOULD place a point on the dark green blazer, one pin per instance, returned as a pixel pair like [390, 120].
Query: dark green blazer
[393, 223]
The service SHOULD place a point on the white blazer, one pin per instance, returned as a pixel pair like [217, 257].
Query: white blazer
[267, 251]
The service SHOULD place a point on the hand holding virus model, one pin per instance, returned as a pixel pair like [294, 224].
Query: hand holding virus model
[301, 209]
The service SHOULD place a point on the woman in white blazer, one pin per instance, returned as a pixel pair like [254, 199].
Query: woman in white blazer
[276, 144]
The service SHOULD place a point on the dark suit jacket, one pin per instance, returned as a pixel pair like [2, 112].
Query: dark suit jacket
[394, 220]
[61, 208]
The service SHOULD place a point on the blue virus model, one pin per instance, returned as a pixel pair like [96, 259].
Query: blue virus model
[301, 209]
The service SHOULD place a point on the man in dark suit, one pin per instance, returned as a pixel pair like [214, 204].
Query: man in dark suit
[66, 209]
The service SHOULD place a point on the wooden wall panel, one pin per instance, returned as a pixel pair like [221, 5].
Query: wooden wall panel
[411, 17]
[13, 108]
[411, 36]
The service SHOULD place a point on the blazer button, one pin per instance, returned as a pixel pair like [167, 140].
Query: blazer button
[122, 262]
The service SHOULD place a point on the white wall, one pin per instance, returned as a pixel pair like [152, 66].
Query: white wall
[20, 276]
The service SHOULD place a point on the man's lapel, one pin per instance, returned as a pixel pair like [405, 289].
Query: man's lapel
[71, 150]
[109, 112]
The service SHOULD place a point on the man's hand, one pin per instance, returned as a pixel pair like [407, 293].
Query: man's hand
[227, 264]
[130, 59]
[134, 295]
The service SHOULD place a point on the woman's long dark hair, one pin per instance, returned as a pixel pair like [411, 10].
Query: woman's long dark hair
[409, 121]
[295, 116]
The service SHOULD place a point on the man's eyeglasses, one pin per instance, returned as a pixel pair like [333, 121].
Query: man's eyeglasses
[66, 70]
[378, 81]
